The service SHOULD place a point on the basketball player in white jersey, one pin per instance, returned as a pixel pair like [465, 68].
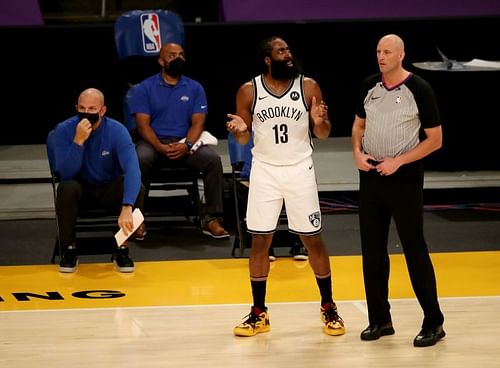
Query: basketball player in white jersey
[280, 108]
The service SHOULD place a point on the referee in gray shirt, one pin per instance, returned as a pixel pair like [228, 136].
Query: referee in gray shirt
[395, 106]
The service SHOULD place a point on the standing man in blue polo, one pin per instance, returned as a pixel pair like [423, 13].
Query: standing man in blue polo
[169, 106]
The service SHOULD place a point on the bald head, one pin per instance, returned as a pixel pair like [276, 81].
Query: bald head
[390, 55]
[394, 41]
[92, 95]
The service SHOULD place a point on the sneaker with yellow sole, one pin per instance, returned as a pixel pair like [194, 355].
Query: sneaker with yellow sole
[334, 325]
[256, 322]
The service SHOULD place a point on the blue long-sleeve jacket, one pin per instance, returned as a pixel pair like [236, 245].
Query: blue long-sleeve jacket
[107, 154]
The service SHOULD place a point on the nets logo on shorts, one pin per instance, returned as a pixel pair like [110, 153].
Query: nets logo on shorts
[315, 219]
[151, 39]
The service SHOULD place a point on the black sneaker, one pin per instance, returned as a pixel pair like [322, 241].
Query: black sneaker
[299, 252]
[69, 260]
[122, 261]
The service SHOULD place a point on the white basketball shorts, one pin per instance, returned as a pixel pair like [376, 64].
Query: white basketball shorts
[295, 185]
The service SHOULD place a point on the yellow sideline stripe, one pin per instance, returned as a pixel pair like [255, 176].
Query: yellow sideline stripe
[225, 281]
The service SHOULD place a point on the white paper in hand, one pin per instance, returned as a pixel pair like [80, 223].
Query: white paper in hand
[138, 219]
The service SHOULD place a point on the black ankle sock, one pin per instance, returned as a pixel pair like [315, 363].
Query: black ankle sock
[325, 289]
[259, 294]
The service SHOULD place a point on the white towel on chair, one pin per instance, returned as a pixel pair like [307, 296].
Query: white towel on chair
[205, 138]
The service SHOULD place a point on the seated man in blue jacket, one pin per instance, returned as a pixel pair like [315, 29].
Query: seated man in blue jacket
[98, 168]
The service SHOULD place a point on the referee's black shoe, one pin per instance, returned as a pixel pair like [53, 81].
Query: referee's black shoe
[429, 336]
[374, 332]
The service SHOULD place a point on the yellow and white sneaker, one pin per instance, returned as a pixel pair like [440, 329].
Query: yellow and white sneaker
[256, 322]
[334, 325]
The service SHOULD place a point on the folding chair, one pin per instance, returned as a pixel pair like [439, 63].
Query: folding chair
[139, 35]
[182, 194]
[238, 154]
[94, 222]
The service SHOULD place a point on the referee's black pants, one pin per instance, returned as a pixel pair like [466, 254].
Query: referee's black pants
[400, 196]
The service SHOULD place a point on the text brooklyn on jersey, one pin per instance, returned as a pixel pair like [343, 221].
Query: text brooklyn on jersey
[279, 112]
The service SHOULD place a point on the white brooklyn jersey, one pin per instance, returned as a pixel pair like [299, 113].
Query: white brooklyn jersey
[280, 124]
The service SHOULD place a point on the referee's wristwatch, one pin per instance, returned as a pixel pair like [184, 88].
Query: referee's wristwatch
[189, 146]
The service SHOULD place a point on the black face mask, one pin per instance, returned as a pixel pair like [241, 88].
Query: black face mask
[281, 71]
[92, 117]
[175, 67]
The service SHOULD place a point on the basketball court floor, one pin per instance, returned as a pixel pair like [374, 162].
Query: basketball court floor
[181, 313]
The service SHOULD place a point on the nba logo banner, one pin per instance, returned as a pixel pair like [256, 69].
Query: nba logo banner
[142, 32]
[151, 39]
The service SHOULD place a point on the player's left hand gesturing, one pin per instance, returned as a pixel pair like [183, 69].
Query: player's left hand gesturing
[319, 111]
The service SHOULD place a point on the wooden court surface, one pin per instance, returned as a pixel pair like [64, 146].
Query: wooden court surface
[181, 314]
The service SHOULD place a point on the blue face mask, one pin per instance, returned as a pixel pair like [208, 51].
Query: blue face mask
[92, 117]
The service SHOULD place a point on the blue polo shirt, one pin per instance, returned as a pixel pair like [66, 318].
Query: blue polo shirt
[170, 107]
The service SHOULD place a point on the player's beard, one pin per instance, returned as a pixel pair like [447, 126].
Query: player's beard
[280, 70]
